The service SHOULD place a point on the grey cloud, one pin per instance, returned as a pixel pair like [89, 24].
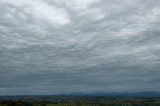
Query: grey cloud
[108, 46]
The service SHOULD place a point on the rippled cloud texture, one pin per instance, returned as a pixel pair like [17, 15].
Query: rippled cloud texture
[64, 46]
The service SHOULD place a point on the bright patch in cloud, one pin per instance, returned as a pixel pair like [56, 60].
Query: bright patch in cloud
[42, 10]
[80, 4]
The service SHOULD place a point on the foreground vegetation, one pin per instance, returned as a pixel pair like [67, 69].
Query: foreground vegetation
[83, 101]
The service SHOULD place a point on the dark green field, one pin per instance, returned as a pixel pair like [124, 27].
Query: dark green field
[77, 101]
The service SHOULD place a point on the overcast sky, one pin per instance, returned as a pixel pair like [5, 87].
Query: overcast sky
[65, 46]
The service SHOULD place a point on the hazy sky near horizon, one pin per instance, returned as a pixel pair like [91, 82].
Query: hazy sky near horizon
[65, 46]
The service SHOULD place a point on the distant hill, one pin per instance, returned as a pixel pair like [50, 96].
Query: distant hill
[122, 94]
[78, 96]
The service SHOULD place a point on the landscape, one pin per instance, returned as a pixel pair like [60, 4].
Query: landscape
[79, 52]
[108, 99]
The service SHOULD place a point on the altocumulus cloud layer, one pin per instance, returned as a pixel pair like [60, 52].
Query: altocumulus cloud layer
[64, 46]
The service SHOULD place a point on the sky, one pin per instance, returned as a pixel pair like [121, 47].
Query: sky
[66, 46]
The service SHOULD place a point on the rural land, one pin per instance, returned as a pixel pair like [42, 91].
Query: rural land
[82, 100]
